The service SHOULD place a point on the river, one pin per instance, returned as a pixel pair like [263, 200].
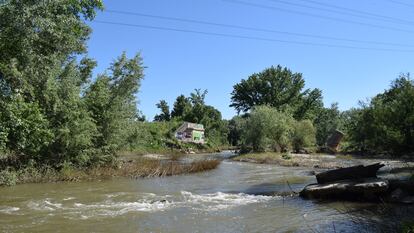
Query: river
[236, 197]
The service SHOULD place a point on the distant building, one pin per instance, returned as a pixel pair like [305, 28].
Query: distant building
[190, 132]
[334, 140]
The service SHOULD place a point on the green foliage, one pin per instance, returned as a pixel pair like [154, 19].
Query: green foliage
[268, 128]
[235, 129]
[386, 124]
[279, 88]
[50, 111]
[194, 109]
[112, 103]
[326, 122]
[303, 135]
[25, 130]
[165, 111]
[286, 156]
[8, 178]
[182, 105]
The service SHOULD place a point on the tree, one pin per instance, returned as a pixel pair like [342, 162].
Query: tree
[51, 111]
[276, 87]
[111, 99]
[44, 117]
[235, 129]
[386, 124]
[268, 128]
[181, 106]
[165, 111]
[326, 122]
[36, 36]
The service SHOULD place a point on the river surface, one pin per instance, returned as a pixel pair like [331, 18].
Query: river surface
[236, 197]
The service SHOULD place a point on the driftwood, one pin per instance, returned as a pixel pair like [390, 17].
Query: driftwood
[349, 173]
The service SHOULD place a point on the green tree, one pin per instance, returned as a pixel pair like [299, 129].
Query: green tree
[267, 128]
[111, 99]
[182, 106]
[165, 111]
[276, 87]
[386, 124]
[41, 81]
[326, 122]
[235, 129]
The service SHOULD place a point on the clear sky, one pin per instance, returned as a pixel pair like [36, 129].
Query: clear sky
[180, 61]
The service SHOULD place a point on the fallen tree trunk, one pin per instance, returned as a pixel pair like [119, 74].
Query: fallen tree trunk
[349, 173]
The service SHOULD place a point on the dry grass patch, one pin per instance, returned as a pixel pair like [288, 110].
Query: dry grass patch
[133, 169]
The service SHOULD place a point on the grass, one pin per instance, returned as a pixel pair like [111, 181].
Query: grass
[266, 158]
[133, 169]
[345, 157]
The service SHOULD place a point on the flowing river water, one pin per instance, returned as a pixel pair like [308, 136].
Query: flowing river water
[236, 197]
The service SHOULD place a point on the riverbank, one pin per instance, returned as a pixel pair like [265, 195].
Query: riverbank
[324, 161]
[138, 167]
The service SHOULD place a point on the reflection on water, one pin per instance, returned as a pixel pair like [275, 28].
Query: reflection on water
[236, 197]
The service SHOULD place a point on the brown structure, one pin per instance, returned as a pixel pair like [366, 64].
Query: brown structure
[334, 140]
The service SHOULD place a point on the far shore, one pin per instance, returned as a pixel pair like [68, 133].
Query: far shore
[325, 161]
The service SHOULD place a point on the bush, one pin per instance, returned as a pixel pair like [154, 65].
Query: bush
[268, 128]
[303, 135]
[8, 178]
[286, 156]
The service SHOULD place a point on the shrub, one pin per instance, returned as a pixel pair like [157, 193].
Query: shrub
[8, 178]
[268, 128]
[303, 135]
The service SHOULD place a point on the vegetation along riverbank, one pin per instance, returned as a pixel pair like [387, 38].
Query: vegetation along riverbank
[61, 121]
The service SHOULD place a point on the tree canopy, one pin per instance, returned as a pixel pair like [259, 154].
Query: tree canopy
[276, 87]
[51, 111]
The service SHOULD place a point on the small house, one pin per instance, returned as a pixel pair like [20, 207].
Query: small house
[190, 132]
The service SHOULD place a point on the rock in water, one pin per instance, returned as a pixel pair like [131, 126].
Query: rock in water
[363, 189]
[349, 173]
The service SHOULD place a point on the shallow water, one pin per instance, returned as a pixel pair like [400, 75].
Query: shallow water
[236, 197]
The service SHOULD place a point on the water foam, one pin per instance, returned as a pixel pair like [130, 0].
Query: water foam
[220, 200]
[145, 202]
[8, 209]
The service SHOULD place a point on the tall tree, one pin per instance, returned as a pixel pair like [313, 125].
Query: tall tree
[276, 87]
[165, 111]
[181, 106]
[386, 124]
[41, 80]
[111, 99]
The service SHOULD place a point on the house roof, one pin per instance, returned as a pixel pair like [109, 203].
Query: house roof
[189, 125]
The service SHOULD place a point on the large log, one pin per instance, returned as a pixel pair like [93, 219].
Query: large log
[349, 173]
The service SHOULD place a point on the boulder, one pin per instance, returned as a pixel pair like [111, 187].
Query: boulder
[349, 173]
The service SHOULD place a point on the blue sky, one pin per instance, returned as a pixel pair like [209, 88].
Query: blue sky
[179, 62]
